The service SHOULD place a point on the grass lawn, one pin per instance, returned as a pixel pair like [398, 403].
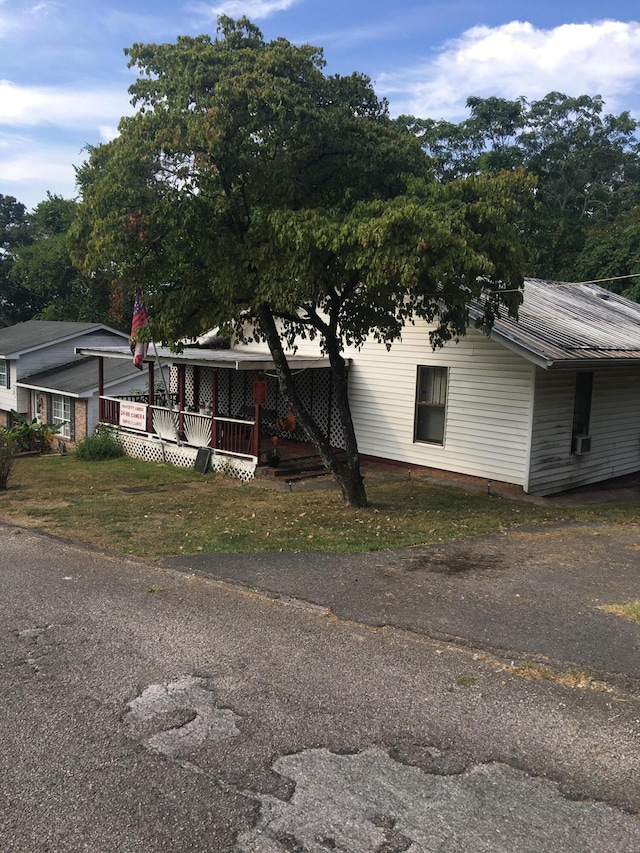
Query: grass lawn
[156, 510]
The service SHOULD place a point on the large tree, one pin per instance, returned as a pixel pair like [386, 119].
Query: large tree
[252, 191]
[585, 163]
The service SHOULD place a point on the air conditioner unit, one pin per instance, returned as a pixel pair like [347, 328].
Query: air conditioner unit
[580, 444]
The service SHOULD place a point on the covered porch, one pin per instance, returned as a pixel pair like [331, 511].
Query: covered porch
[227, 401]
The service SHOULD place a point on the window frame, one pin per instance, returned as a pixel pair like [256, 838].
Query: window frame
[5, 373]
[423, 407]
[57, 399]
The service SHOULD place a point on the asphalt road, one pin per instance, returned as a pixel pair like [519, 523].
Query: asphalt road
[150, 709]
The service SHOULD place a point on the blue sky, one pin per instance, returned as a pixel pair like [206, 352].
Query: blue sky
[63, 74]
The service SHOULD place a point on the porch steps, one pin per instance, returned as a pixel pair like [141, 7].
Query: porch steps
[300, 468]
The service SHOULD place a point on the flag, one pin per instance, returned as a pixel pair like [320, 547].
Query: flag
[139, 321]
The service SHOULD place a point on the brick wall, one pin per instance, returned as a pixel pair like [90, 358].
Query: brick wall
[80, 418]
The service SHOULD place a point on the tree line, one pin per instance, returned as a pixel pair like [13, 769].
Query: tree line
[584, 224]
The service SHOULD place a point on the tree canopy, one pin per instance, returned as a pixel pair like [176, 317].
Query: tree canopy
[585, 163]
[252, 191]
[16, 303]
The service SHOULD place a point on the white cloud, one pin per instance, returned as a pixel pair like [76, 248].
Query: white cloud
[30, 166]
[517, 59]
[253, 9]
[22, 16]
[69, 108]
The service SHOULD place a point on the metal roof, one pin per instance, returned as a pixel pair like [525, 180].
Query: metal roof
[34, 334]
[235, 359]
[564, 324]
[80, 378]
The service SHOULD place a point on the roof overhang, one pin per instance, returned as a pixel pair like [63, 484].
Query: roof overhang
[231, 359]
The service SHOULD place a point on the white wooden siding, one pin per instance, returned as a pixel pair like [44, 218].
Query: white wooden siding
[614, 428]
[489, 401]
[8, 399]
[488, 404]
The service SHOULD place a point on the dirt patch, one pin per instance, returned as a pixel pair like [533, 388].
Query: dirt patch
[456, 563]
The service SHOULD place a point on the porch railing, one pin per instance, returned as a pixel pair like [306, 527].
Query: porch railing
[230, 435]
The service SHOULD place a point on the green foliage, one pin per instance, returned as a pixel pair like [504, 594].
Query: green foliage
[7, 458]
[43, 267]
[101, 445]
[28, 436]
[251, 191]
[585, 164]
[16, 303]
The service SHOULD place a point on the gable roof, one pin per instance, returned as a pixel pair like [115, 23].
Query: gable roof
[561, 324]
[80, 378]
[35, 334]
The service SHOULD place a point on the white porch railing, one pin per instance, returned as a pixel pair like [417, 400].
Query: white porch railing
[197, 429]
[229, 438]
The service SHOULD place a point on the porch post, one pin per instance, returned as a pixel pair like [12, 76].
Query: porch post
[181, 393]
[255, 449]
[196, 386]
[100, 387]
[151, 398]
[214, 406]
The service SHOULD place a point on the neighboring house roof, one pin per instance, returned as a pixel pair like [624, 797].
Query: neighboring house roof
[561, 324]
[80, 379]
[35, 334]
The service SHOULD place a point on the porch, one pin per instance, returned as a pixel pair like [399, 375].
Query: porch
[225, 401]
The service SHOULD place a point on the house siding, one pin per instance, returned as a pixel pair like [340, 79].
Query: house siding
[489, 393]
[59, 353]
[489, 403]
[614, 427]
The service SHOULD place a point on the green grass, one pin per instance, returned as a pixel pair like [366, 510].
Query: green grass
[155, 510]
[630, 611]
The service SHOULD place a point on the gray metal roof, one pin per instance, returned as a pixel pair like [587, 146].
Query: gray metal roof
[34, 334]
[234, 359]
[561, 324]
[80, 378]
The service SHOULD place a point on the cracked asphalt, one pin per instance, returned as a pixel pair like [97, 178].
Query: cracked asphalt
[277, 703]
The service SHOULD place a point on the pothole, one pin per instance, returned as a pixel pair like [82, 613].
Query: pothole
[178, 717]
[369, 803]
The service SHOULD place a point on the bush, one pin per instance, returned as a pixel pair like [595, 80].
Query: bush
[28, 436]
[7, 459]
[100, 445]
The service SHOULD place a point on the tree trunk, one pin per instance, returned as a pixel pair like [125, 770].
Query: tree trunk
[347, 473]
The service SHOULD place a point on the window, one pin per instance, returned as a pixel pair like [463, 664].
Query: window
[580, 438]
[582, 404]
[431, 399]
[4, 373]
[62, 414]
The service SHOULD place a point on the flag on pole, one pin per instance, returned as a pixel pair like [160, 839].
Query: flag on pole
[139, 321]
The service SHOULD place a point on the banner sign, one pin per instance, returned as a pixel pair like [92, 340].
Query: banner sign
[133, 415]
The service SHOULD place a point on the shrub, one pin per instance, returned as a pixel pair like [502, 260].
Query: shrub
[7, 459]
[31, 435]
[100, 445]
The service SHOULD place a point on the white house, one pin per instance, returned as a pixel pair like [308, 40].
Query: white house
[41, 376]
[549, 401]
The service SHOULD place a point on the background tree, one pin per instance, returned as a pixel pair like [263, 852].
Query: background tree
[42, 267]
[16, 303]
[585, 164]
[251, 191]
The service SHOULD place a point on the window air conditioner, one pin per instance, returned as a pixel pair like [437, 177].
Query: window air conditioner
[580, 444]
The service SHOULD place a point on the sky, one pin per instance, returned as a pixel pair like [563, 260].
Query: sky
[64, 75]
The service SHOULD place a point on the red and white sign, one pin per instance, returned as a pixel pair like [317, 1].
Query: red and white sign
[133, 415]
